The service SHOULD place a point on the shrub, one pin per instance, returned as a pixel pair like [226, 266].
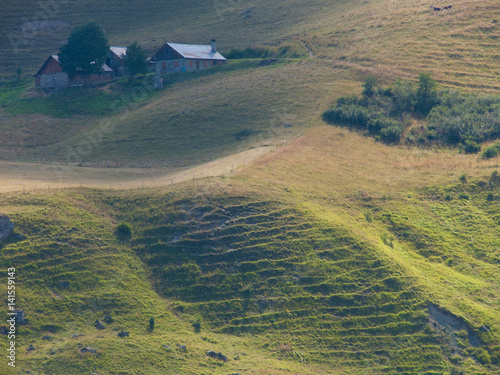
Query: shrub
[490, 197]
[404, 96]
[426, 93]
[471, 147]
[463, 179]
[370, 86]
[151, 324]
[391, 134]
[197, 325]
[123, 230]
[482, 356]
[494, 177]
[451, 117]
[491, 151]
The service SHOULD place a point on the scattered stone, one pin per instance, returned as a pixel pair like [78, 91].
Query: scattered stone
[484, 328]
[123, 334]
[6, 227]
[218, 356]
[46, 338]
[87, 349]
[99, 325]
[30, 348]
[20, 316]
[108, 319]
[167, 347]
[74, 336]
[236, 357]
[182, 347]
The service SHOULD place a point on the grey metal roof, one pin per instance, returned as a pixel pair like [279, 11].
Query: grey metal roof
[196, 51]
[106, 68]
[121, 52]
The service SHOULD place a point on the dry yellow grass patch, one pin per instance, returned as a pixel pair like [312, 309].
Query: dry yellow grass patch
[336, 161]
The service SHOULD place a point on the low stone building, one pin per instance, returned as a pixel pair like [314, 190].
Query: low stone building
[116, 60]
[51, 76]
[175, 57]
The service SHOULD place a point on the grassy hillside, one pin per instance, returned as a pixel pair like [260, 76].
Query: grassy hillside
[196, 120]
[396, 275]
[280, 277]
[457, 45]
[333, 254]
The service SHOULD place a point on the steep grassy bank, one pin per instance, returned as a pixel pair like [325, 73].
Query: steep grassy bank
[279, 271]
[72, 269]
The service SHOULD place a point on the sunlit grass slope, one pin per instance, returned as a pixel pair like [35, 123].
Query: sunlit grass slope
[72, 269]
[326, 255]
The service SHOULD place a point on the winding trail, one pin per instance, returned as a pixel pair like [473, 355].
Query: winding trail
[15, 176]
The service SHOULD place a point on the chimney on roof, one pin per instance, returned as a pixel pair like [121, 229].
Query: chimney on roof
[214, 46]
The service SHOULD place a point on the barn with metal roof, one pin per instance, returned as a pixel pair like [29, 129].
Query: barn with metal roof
[51, 76]
[176, 57]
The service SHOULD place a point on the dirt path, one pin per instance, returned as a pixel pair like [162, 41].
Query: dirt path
[32, 176]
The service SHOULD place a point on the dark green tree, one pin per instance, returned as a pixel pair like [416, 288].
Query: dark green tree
[370, 85]
[405, 96]
[135, 60]
[426, 93]
[85, 51]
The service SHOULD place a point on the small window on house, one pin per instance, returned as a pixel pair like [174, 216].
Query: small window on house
[214, 63]
[204, 64]
[164, 65]
[191, 63]
[176, 64]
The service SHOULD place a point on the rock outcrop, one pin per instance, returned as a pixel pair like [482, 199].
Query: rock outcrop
[6, 227]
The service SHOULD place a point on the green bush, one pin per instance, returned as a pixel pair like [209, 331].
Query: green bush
[450, 117]
[391, 134]
[197, 325]
[463, 179]
[491, 151]
[123, 230]
[471, 147]
[482, 356]
[370, 86]
[263, 52]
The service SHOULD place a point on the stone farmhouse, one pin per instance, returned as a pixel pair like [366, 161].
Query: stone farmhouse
[51, 76]
[175, 57]
[116, 60]
[170, 58]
